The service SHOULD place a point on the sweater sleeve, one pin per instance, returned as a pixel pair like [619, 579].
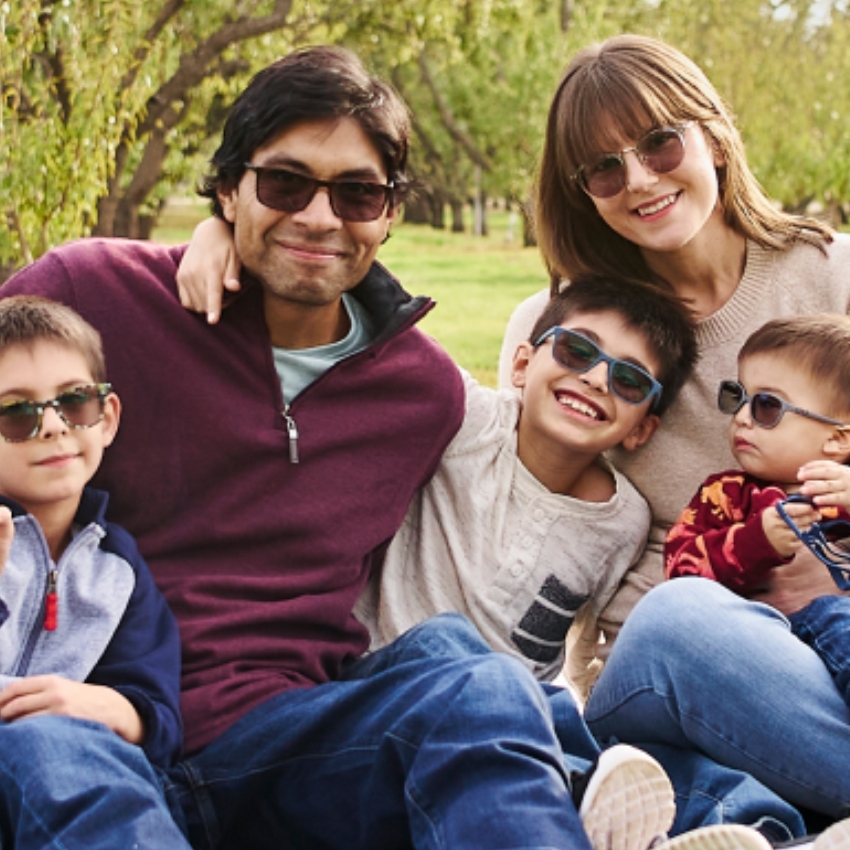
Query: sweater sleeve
[142, 661]
[720, 534]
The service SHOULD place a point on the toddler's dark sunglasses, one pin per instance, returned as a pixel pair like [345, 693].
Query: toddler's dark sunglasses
[766, 409]
[828, 541]
[351, 200]
[80, 407]
[660, 150]
[576, 352]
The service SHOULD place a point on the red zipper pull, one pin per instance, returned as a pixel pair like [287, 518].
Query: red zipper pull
[51, 603]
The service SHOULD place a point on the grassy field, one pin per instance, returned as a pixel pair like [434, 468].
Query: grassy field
[476, 282]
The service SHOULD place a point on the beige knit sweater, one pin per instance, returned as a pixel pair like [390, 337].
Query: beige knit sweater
[691, 442]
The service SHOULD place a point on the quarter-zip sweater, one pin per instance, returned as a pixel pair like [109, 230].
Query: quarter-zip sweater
[110, 625]
[261, 559]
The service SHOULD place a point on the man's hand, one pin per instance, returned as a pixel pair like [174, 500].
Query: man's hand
[7, 534]
[790, 587]
[209, 268]
[38, 695]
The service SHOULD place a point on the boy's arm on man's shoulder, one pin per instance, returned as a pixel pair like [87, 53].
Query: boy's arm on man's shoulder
[486, 416]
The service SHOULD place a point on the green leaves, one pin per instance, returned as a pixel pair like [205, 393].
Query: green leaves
[109, 105]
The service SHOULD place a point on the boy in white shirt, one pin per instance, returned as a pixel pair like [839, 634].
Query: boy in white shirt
[526, 528]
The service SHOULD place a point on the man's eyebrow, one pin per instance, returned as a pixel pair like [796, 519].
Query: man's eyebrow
[281, 161]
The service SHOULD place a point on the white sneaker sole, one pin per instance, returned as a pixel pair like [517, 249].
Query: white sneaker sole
[727, 836]
[629, 801]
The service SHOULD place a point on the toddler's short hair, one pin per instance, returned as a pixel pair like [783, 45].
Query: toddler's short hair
[28, 319]
[819, 344]
[664, 320]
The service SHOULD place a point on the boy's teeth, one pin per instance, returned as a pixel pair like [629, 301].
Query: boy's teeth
[575, 404]
[654, 208]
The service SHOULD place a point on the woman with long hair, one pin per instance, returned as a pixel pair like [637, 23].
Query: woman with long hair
[644, 175]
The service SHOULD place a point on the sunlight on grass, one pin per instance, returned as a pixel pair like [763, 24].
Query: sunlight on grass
[476, 282]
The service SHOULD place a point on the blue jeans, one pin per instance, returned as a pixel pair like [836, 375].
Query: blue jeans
[698, 668]
[434, 742]
[824, 625]
[71, 783]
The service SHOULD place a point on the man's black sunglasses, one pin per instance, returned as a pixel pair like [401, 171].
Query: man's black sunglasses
[351, 200]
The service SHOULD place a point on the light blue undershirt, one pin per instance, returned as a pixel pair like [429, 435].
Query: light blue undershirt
[298, 368]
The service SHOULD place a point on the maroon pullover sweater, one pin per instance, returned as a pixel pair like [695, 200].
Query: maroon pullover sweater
[260, 559]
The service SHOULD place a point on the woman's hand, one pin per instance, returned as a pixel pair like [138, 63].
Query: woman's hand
[209, 268]
[826, 482]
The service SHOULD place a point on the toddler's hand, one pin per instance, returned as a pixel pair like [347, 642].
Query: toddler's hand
[779, 533]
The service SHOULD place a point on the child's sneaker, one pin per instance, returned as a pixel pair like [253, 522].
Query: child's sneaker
[628, 802]
[727, 836]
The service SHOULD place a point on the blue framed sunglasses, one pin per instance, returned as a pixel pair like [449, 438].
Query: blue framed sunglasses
[828, 541]
[766, 409]
[574, 351]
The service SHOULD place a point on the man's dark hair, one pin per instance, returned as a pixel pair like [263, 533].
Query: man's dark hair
[664, 320]
[314, 83]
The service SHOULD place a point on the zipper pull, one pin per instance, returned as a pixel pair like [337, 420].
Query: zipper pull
[51, 603]
[292, 431]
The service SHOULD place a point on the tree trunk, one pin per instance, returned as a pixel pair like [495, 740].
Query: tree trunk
[457, 215]
[418, 208]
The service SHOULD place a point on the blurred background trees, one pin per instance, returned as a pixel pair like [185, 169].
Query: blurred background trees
[111, 106]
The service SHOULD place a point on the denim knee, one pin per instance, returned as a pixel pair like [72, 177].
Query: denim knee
[447, 635]
[677, 605]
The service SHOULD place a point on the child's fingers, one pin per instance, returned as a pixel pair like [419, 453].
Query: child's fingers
[7, 534]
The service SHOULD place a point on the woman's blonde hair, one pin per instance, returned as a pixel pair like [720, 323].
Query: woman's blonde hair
[620, 89]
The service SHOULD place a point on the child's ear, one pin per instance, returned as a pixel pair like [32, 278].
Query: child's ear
[837, 447]
[641, 432]
[522, 357]
[111, 418]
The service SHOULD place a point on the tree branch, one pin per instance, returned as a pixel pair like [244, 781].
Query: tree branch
[448, 120]
[193, 66]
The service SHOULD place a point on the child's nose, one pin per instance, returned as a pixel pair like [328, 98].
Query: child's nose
[51, 423]
[597, 376]
[744, 416]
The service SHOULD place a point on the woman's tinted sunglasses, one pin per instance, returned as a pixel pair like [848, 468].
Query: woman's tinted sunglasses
[660, 150]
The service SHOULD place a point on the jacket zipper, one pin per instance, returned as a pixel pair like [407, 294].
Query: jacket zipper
[50, 607]
[292, 431]
[51, 602]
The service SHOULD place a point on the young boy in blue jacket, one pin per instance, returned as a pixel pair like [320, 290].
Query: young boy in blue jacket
[84, 632]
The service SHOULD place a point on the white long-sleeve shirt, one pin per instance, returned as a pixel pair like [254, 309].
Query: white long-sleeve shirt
[486, 539]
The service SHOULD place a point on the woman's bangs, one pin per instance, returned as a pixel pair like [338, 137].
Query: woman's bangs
[610, 113]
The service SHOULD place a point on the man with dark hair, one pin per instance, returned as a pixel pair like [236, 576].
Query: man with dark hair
[265, 465]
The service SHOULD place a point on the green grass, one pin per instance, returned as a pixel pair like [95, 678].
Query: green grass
[476, 282]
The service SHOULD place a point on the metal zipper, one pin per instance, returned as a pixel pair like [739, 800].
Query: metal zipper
[292, 431]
